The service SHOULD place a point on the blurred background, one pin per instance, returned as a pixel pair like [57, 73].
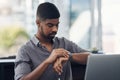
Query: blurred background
[92, 24]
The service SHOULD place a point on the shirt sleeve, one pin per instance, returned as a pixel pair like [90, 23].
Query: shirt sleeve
[72, 47]
[22, 64]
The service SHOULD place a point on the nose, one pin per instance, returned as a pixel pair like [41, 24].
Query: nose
[55, 28]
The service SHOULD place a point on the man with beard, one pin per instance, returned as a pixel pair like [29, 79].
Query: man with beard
[46, 57]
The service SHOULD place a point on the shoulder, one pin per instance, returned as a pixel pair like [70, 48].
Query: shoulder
[24, 48]
[62, 39]
[23, 52]
[25, 45]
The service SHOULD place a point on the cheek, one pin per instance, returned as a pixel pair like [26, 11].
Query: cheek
[44, 31]
[39, 29]
[47, 30]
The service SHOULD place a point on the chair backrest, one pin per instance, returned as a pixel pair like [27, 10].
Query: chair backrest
[78, 71]
[6, 69]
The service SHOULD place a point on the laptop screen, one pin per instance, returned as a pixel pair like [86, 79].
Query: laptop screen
[103, 67]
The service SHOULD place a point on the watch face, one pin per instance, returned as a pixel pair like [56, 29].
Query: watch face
[70, 56]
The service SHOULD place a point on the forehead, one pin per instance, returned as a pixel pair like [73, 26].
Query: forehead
[54, 21]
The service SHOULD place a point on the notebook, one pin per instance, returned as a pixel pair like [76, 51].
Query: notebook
[103, 67]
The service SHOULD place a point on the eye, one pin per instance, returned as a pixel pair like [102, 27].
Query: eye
[50, 25]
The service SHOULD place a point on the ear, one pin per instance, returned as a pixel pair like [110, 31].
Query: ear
[37, 21]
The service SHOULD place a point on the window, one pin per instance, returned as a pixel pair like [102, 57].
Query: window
[111, 24]
[88, 23]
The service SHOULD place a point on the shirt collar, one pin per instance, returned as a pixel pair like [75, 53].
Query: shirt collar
[35, 41]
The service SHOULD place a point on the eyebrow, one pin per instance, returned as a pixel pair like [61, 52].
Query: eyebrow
[53, 24]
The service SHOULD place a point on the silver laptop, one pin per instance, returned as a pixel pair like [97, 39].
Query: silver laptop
[103, 67]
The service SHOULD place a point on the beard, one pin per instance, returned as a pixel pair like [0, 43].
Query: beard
[48, 37]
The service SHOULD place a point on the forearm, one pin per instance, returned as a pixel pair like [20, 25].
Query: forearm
[36, 73]
[80, 57]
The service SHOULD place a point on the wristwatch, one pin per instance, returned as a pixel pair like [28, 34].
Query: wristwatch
[70, 56]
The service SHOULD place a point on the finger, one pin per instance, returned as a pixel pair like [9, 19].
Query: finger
[58, 69]
[57, 66]
[62, 60]
[65, 54]
[61, 52]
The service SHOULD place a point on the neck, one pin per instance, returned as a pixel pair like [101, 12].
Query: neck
[43, 40]
[45, 43]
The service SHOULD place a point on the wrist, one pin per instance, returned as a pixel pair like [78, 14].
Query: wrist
[47, 61]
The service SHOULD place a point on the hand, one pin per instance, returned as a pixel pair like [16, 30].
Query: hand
[58, 65]
[56, 53]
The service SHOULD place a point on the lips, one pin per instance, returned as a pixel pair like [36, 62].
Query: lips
[52, 34]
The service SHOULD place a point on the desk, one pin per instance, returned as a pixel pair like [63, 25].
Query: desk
[7, 70]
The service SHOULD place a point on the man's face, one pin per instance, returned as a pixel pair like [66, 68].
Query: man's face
[48, 28]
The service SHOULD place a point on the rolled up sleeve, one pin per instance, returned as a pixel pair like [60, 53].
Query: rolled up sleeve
[22, 64]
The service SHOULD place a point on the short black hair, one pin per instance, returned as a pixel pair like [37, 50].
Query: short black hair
[47, 10]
